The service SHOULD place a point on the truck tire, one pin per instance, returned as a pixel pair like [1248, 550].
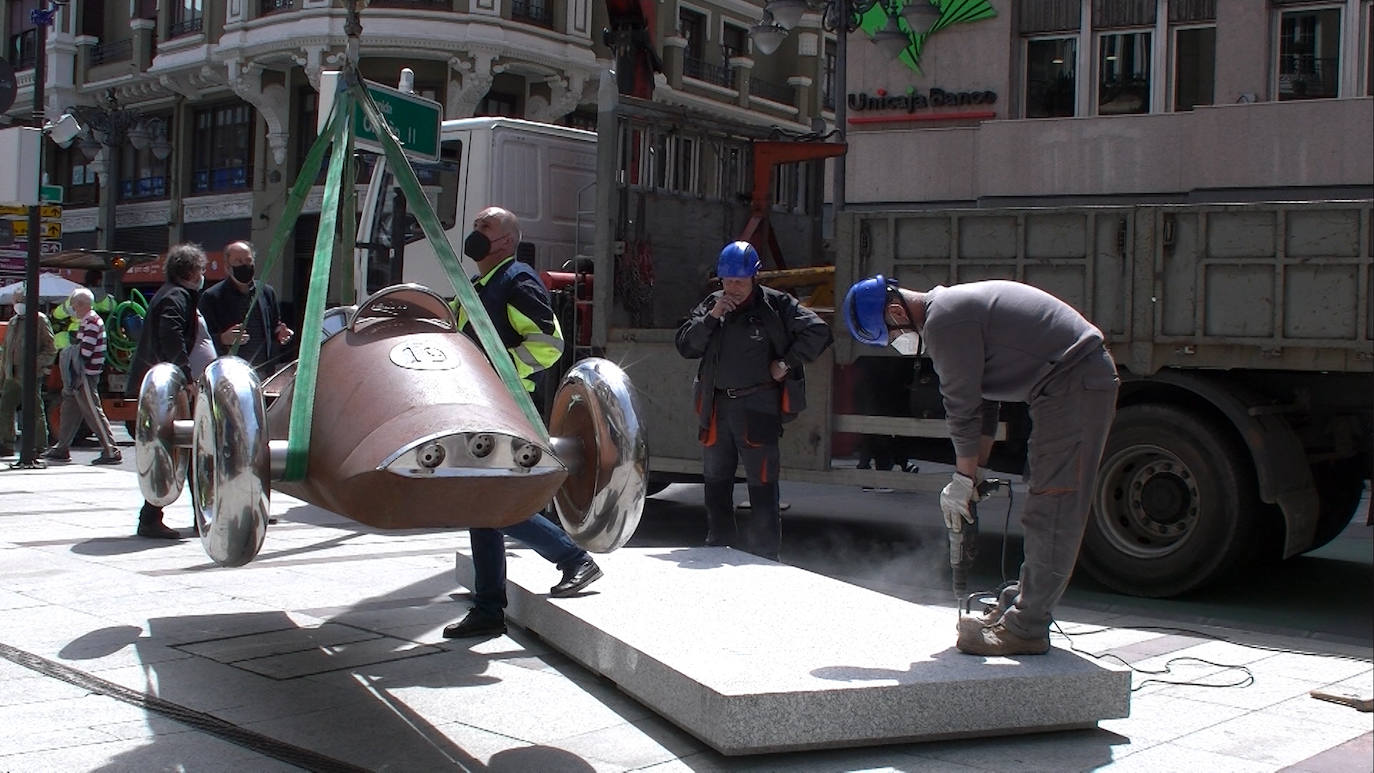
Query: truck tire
[1340, 486]
[1174, 504]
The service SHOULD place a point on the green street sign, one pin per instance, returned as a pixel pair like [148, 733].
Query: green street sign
[414, 119]
[51, 193]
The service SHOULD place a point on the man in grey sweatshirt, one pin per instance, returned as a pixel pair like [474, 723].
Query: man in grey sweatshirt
[1002, 341]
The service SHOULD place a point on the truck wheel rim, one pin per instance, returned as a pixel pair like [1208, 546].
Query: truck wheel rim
[1148, 502]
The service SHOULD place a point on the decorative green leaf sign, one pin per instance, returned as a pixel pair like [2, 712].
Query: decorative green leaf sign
[951, 12]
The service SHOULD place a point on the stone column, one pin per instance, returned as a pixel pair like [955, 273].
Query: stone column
[742, 67]
[674, 49]
[145, 30]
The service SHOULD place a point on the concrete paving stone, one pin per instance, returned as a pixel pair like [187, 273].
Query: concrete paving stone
[188, 752]
[387, 737]
[1267, 739]
[1266, 691]
[285, 699]
[1071, 750]
[75, 715]
[56, 626]
[24, 687]
[1316, 666]
[1169, 758]
[195, 683]
[481, 750]
[1159, 717]
[12, 600]
[528, 705]
[1308, 709]
[633, 745]
[1353, 756]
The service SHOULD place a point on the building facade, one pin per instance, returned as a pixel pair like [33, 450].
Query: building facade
[201, 111]
[1104, 101]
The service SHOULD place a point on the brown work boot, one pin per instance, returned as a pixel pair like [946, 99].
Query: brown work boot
[991, 614]
[995, 640]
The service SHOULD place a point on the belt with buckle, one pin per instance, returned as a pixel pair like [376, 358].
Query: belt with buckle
[735, 392]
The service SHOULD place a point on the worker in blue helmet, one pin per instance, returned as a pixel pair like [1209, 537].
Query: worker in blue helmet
[752, 341]
[1002, 341]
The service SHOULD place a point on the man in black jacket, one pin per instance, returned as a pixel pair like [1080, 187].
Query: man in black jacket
[169, 335]
[751, 339]
[225, 305]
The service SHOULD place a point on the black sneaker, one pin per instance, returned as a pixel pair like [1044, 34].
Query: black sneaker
[57, 455]
[476, 624]
[118, 458]
[576, 578]
[157, 530]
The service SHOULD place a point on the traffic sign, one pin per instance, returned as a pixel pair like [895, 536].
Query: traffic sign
[51, 194]
[414, 119]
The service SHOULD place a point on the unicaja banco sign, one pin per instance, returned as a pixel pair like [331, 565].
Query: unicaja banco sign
[914, 100]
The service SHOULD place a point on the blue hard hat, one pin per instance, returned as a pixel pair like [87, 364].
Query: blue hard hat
[738, 259]
[864, 309]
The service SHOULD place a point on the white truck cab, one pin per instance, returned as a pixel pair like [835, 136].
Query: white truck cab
[544, 174]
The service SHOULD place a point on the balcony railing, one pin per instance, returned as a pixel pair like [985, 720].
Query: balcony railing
[769, 90]
[537, 12]
[114, 51]
[711, 73]
[273, 6]
[186, 27]
[228, 178]
[143, 188]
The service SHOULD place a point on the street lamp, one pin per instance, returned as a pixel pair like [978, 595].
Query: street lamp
[109, 125]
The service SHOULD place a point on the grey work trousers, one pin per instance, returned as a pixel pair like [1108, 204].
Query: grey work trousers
[82, 401]
[1070, 412]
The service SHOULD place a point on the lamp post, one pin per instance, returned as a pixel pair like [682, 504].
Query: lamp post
[28, 450]
[109, 125]
[843, 17]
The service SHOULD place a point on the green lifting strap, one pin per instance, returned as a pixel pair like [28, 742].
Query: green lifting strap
[423, 210]
[312, 324]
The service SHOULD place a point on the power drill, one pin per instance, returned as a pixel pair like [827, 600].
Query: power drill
[963, 539]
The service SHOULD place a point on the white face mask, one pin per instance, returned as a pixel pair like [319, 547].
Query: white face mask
[907, 344]
[19, 308]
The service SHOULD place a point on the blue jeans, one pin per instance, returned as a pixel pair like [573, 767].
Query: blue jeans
[489, 557]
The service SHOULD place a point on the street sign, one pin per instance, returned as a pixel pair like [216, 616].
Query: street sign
[52, 194]
[46, 211]
[50, 229]
[414, 119]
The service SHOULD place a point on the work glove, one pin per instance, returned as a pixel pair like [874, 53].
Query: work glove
[955, 501]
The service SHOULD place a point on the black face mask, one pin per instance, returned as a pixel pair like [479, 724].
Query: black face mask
[243, 273]
[476, 246]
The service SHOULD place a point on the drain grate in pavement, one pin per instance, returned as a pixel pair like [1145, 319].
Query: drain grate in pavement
[291, 653]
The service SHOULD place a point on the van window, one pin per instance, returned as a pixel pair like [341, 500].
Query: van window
[439, 180]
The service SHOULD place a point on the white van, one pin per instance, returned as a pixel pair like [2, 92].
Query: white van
[545, 174]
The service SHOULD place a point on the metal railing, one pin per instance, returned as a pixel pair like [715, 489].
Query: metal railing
[114, 51]
[537, 12]
[711, 73]
[272, 6]
[186, 27]
[774, 92]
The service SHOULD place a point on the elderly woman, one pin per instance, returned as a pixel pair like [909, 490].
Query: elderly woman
[169, 335]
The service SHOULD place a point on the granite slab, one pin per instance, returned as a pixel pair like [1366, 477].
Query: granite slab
[752, 656]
